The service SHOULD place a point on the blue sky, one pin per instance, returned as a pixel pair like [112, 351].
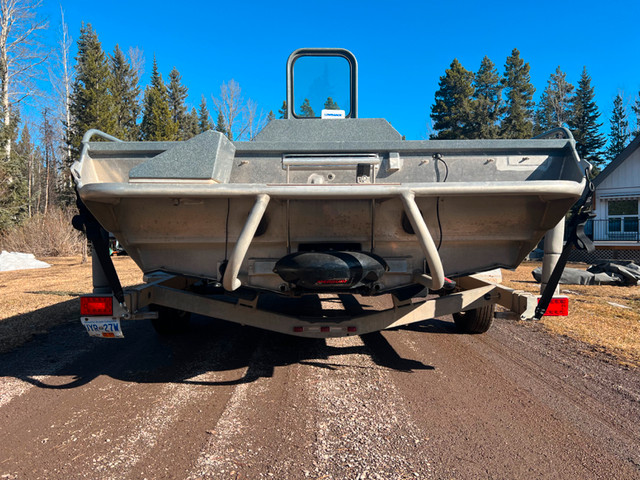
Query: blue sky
[402, 47]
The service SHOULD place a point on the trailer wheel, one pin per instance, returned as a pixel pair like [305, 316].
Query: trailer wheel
[478, 320]
[170, 321]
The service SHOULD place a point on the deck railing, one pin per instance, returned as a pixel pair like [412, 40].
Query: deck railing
[618, 229]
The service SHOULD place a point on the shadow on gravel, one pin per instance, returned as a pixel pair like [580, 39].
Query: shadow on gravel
[433, 326]
[16, 330]
[66, 357]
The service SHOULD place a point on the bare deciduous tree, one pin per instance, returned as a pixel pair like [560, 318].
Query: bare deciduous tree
[20, 56]
[61, 78]
[242, 121]
[136, 59]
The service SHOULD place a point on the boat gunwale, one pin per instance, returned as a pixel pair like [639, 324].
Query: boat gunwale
[558, 188]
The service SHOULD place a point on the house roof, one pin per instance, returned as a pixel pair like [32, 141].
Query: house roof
[616, 162]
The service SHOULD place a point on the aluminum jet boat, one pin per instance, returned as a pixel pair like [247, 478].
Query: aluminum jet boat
[330, 205]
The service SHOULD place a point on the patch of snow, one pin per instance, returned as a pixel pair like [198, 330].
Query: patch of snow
[19, 261]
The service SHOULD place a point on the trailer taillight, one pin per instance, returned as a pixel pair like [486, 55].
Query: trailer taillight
[96, 306]
[558, 307]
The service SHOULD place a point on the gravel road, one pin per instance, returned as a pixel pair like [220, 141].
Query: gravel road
[231, 402]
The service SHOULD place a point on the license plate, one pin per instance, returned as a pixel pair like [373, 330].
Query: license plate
[103, 327]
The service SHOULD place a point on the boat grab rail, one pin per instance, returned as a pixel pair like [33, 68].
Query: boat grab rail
[434, 281]
[86, 138]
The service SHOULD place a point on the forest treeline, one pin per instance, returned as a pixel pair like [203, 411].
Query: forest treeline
[486, 104]
[103, 90]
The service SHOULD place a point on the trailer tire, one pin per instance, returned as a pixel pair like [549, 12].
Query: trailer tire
[170, 321]
[475, 321]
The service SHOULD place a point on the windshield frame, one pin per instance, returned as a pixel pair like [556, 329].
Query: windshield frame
[323, 52]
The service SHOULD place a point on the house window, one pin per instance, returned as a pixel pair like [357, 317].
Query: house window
[623, 219]
[623, 207]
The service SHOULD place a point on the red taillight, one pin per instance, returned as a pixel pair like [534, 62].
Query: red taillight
[93, 306]
[558, 307]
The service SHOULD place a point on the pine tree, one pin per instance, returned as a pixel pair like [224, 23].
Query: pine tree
[221, 126]
[91, 103]
[27, 159]
[452, 113]
[487, 106]
[204, 118]
[177, 96]
[619, 135]
[330, 104]
[191, 128]
[271, 116]
[14, 198]
[125, 91]
[544, 120]
[157, 124]
[306, 110]
[583, 122]
[636, 110]
[283, 110]
[518, 120]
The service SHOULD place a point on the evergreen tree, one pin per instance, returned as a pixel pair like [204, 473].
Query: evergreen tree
[28, 161]
[487, 106]
[191, 128]
[306, 110]
[554, 108]
[14, 200]
[543, 117]
[91, 104]
[177, 97]
[204, 118]
[125, 92]
[619, 135]
[221, 126]
[271, 116]
[283, 110]
[330, 104]
[583, 122]
[636, 111]
[517, 122]
[452, 113]
[157, 124]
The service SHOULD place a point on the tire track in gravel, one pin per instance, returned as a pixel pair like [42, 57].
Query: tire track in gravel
[331, 415]
[264, 431]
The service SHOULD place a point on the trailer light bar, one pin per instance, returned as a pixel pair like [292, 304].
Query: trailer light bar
[325, 329]
[96, 306]
[558, 307]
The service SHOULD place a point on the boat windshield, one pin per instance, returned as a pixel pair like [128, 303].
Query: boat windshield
[321, 83]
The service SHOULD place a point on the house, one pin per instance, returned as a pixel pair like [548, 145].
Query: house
[616, 203]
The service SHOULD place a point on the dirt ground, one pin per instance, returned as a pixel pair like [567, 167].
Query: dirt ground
[604, 317]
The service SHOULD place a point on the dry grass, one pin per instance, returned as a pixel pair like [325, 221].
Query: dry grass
[49, 235]
[610, 329]
[33, 301]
